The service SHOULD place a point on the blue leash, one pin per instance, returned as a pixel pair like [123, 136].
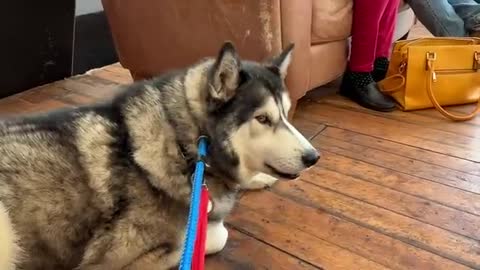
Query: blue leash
[198, 181]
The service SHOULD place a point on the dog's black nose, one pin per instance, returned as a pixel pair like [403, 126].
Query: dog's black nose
[310, 158]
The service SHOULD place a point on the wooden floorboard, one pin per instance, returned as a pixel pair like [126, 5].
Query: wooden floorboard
[392, 161]
[382, 220]
[434, 140]
[445, 195]
[374, 244]
[417, 208]
[392, 190]
[247, 252]
[425, 118]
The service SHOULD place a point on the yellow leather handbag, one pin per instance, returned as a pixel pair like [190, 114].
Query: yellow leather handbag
[433, 73]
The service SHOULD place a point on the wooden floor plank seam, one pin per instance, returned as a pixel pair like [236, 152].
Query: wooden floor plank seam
[394, 162]
[306, 232]
[459, 197]
[402, 239]
[398, 171]
[456, 109]
[318, 132]
[395, 153]
[406, 193]
[407, 151]
[390, 210]
[389, 116]
[455, 136]
[247, 233]
[354, 107]
[292, 201]
[397, 142]
[321, 115]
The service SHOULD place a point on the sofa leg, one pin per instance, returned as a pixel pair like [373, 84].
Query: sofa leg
[293, 108]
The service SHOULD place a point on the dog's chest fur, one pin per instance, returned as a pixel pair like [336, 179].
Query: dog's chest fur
[222, 197]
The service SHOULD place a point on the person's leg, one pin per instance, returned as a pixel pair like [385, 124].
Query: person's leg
[469, 11]
[365, 29]
[358, 83]
[385, 39]
[439, 17]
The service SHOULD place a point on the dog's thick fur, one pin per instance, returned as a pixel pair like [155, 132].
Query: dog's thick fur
[107, 186]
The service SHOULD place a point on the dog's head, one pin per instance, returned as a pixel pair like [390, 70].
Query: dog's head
[248, 106]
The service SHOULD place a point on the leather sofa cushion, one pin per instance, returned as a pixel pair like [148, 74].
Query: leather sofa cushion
[331, 20]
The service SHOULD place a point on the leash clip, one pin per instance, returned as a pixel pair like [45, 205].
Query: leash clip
[192, 177]
[202, 143]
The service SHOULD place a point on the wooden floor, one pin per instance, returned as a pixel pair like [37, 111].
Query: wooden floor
[392, 191]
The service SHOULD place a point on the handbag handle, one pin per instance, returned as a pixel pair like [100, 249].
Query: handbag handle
[392, 90]
[432, 78]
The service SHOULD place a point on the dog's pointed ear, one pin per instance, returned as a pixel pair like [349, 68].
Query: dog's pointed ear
[226, 74]
[281, 62]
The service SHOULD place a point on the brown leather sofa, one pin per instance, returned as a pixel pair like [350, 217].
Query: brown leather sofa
[153, 36]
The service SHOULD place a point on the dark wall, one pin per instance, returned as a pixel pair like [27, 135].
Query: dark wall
[36, 43]
[43, 41]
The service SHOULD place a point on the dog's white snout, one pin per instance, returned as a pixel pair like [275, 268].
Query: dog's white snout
[310, 155]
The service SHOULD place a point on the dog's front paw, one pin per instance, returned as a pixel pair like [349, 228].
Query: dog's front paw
[260, 181]
[217, 236]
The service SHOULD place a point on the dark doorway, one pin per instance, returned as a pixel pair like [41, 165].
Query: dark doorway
[37, 43]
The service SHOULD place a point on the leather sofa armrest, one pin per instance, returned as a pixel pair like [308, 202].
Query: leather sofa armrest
[296, 27]
[153, 36]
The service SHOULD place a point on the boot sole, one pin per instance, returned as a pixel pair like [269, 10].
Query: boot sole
[344, 92]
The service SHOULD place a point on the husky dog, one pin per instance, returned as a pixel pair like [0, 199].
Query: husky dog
[108, 186]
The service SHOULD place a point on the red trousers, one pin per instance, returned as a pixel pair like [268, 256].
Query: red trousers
[372, 32]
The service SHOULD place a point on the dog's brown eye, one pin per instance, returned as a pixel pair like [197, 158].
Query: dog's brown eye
[263, 119]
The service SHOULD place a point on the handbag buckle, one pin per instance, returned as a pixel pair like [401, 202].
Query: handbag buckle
[431, 56]
[476, 61]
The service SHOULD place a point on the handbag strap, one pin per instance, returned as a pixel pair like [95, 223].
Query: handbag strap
[431, 79]
[394, 89]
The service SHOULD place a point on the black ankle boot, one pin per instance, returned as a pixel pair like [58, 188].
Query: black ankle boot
[380, 68]
[361, 88]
